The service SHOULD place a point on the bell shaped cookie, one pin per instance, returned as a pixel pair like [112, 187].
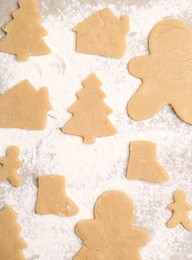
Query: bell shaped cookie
[166, 73]
[111, 234]
[23, 106]
[52, 197]
[102, 34]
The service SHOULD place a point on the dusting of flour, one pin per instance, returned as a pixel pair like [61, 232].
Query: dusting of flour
[92, 169]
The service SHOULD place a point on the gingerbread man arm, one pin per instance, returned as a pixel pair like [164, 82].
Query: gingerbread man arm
[171, 206]
[3, 160]
[141, 237]
[189, 206]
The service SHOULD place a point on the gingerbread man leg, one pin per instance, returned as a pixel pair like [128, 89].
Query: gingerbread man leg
[145, 103]
[183, 106]
[187, 223]
[15, 180]
[172, 223]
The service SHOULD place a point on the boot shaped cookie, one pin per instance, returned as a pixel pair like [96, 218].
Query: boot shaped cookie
[180, 210]
[52, 197]
[143, 163]
[166, 73]
[111, 234]
[10, 164]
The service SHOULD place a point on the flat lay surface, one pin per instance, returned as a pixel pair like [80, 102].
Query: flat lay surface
[92, 169]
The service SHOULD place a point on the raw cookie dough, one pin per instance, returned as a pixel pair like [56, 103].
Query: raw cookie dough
[10, 165]
[11, 244]
[143, 163]
[52, 197]
[90, 113]
[166, 72]
[23, 106]
[180, 210]
[102, 34]
[111, 234]
[24, 33]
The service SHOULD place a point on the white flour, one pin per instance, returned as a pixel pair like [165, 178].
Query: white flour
[93, 169]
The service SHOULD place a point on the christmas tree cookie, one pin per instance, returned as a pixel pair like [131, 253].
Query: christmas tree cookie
[180, 210]
[11, 244]
[90, 113]
[166, 73]
[143, 164]
[111, 234]
[10, 164]
[102, 34]
[52, 197]
[23, 106]
[24, 34]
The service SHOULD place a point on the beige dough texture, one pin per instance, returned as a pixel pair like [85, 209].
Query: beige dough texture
[90, 113]
[102, 34]
[180, 210]
[143, 163]
[52, 197]
[11, 244]
[10, 164]
[166, 72]
[24, 33]
[23, 106]
[111, 234]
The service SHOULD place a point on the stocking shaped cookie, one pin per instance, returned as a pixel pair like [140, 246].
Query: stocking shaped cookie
[24, 32]
[102, 34]
[111, 234]
[11, 244]
[52, 197]
[10, 164]
[166, 72]
[143, 164]
[180, 210]
[90, 113]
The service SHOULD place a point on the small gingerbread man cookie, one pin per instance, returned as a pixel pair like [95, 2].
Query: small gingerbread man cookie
[180, 210]
[10, 164]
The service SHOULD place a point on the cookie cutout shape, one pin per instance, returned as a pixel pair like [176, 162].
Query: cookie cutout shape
[52, 197]
[90, 113]
[143, 163]
[10, 164]
[102, 34]
[111, 234]
[166, 72]
[180, 210]
[24, 33]
[11, 244]
[24, 107]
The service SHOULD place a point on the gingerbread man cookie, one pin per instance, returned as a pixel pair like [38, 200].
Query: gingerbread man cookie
[111, 234]
[180, 210]
[10, 164]
[166, 73]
